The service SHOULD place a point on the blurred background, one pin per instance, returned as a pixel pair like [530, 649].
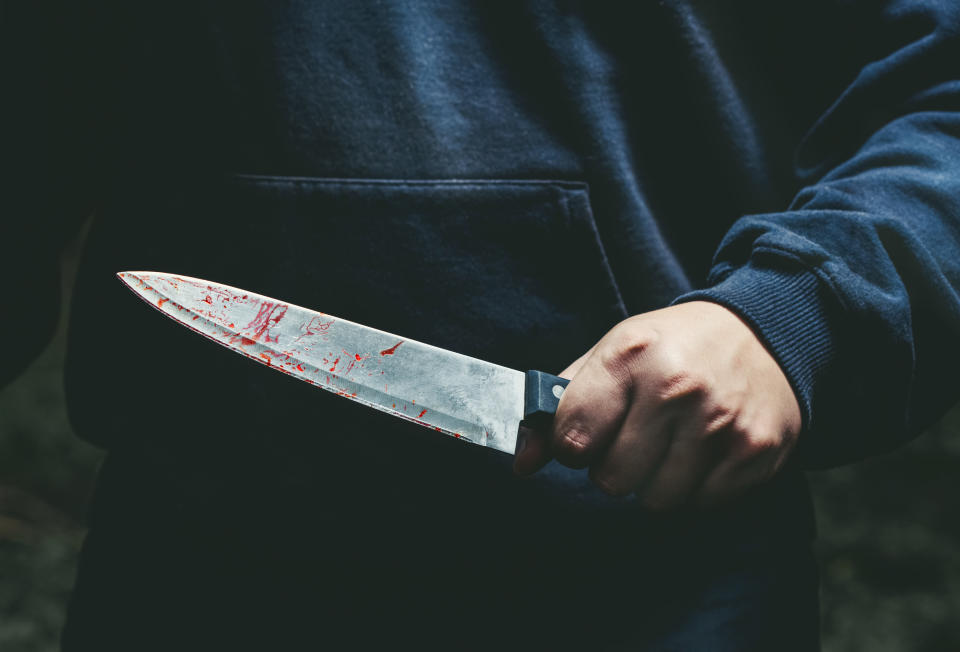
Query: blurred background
[889, 527]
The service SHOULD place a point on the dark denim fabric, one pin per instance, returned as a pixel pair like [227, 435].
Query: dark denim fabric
[507, 180]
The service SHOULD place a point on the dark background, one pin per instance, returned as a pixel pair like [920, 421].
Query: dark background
[889, 528]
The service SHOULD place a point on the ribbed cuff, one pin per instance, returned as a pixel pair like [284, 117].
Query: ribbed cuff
[789, 310]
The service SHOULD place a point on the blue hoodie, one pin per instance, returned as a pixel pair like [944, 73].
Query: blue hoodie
[507, 180]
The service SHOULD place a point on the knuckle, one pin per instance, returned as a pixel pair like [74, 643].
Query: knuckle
[625, 346]
[633, 339]
[682, 385]
[756, 440]
[750, 441]
[573, 447]
[720, 418]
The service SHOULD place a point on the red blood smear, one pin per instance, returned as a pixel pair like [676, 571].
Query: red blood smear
[358, 356]
[300, 367]
[316, 325]
[334, 367]
[420, 416]
[457, 435]
[244, 341]
[392, 349]
[207, 299]
[161, 302]
[268, 316]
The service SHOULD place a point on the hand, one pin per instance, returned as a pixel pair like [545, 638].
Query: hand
[682, 406]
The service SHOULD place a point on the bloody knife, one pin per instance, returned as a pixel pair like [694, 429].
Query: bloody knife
[470, 399]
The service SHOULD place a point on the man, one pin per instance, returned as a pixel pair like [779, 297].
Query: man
[536, 185]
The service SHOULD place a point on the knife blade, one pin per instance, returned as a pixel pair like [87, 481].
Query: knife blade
[467, 398]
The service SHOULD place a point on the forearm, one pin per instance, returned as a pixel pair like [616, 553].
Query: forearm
[856, 287]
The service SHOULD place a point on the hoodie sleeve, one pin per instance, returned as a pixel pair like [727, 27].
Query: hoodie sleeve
[855, 288]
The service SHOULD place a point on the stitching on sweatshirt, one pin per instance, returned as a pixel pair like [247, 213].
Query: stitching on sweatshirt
[604, 258]
[413, 183]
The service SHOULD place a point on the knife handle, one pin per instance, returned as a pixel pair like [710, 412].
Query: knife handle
[543, 392]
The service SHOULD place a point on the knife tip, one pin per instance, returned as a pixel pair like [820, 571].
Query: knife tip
[127, 278]
[131, 279]
[127, 275]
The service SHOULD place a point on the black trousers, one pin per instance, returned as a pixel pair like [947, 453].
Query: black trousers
[160, 573]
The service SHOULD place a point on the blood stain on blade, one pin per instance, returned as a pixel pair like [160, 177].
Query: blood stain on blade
[267, 317]
[392, 349]
[317, 325]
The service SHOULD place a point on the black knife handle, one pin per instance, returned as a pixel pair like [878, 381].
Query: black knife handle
[541, 399]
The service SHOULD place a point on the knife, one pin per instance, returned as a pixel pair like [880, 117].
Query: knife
[470, 399]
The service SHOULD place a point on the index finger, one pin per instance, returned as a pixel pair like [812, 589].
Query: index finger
[533, 449]
[589, 414]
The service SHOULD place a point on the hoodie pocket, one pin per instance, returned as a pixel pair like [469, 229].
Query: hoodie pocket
[509, 271]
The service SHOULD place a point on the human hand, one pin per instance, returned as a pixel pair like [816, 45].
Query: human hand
[682, 405]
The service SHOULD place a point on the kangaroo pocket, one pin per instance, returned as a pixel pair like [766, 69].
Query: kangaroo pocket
[508, 271]
[512, 272]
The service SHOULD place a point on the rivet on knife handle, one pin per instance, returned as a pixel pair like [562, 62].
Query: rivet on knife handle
[542, 396]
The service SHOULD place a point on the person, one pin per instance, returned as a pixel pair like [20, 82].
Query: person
[735, 228]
